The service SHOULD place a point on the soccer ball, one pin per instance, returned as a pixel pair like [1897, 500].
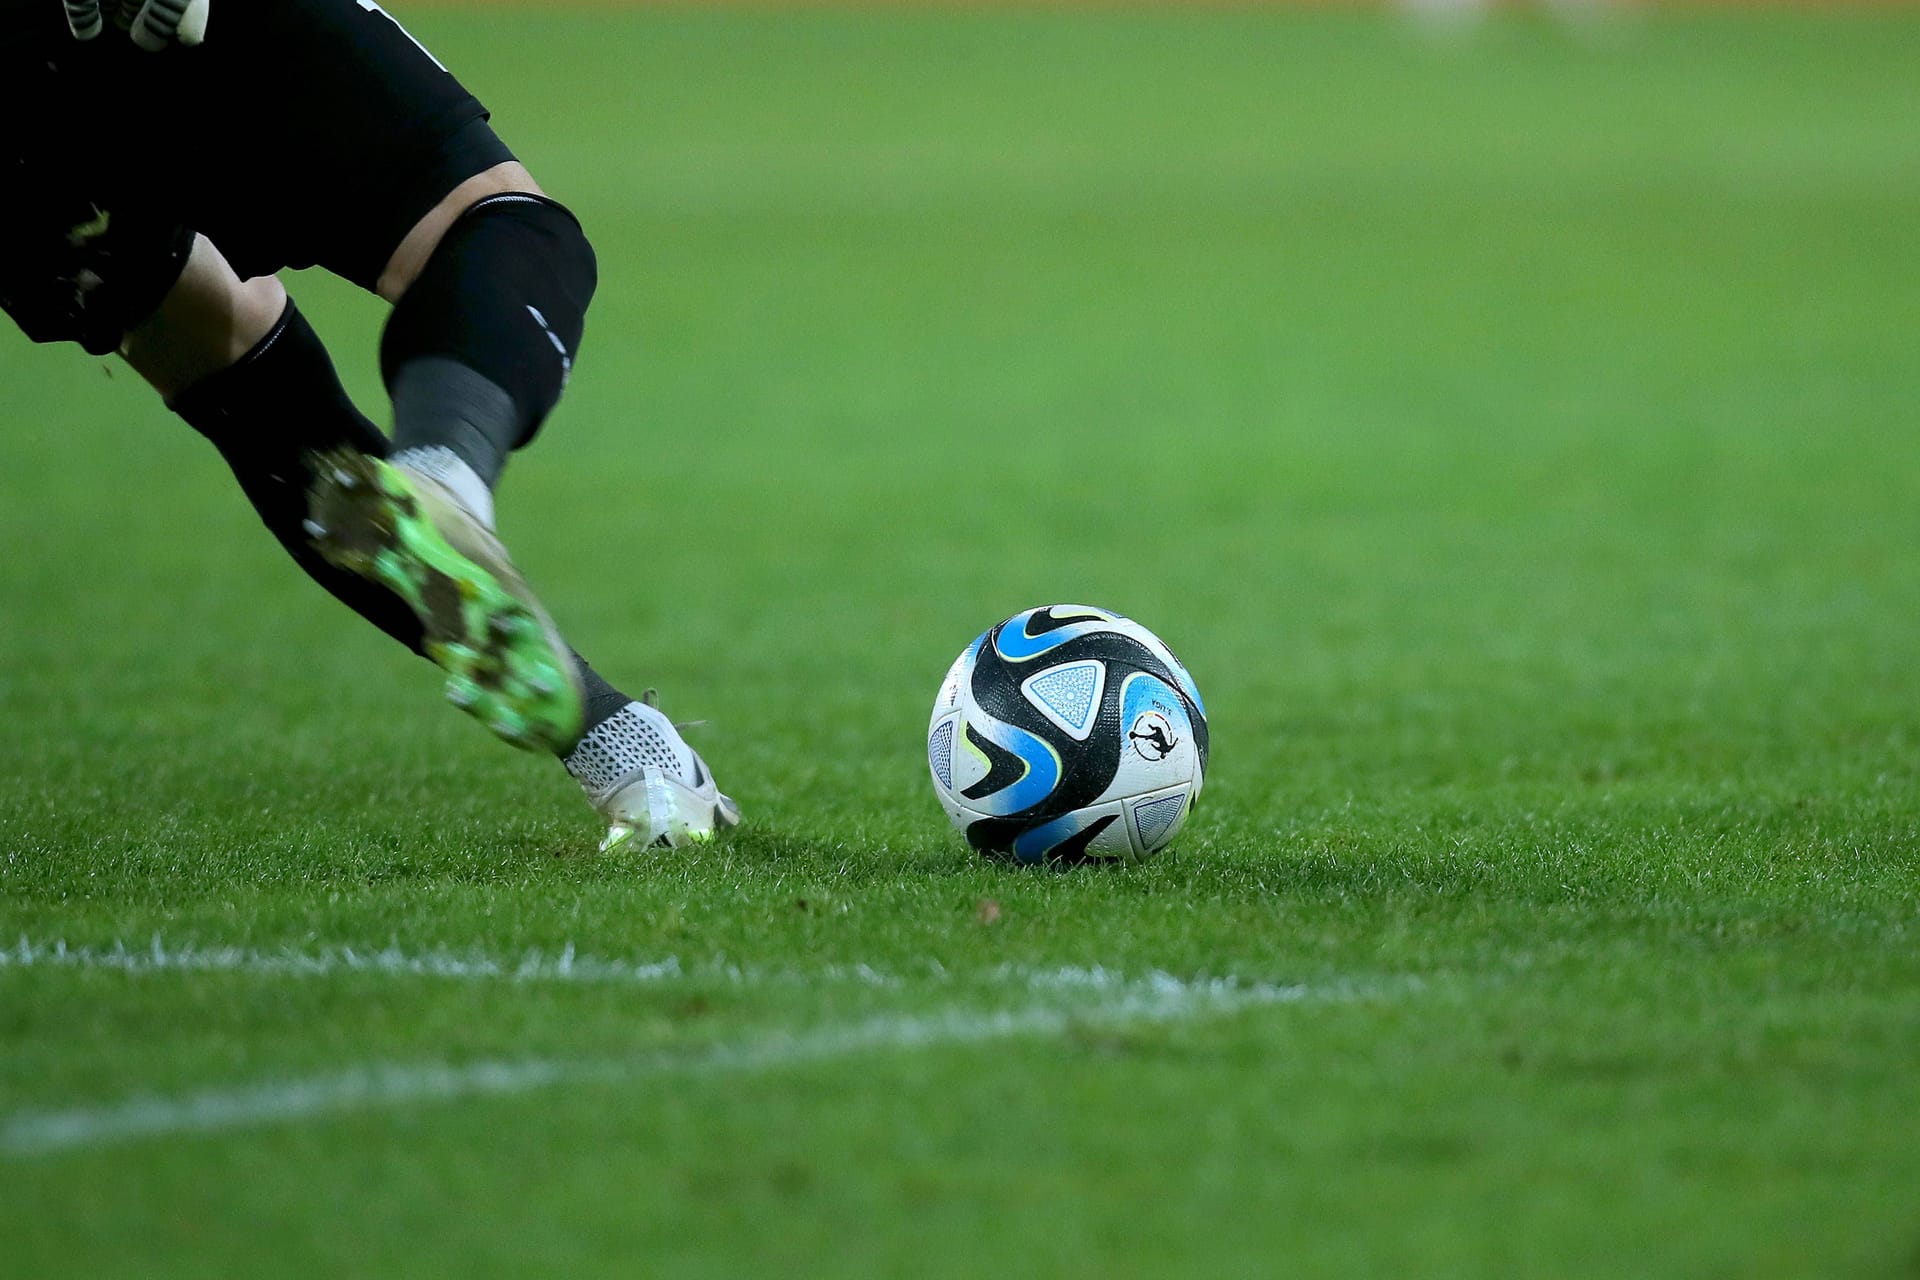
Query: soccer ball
[1068, 734]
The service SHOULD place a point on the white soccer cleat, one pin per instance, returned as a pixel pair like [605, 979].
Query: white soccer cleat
[651, 787]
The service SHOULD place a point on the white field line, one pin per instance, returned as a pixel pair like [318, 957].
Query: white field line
[371, 1086]
[560, 967]
[534, 966]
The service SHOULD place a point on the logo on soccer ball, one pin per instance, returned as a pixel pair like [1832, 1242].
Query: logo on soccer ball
[1152, 736]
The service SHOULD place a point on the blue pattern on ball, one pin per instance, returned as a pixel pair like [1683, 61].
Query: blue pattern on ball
[1015, 645]
[1041, 777]
[1033, 846]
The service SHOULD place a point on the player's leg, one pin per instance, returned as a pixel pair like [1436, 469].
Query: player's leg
[352, 141]
[420, 526]
[94, 249]
[237, 360]
[343, 143]
[240, 364]
[81, 261]
[491, 290]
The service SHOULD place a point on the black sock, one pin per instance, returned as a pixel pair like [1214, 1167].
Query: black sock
[480, 347]
[602, 699]
[266, 414]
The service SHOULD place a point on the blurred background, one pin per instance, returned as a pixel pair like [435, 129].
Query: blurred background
[1404, 367]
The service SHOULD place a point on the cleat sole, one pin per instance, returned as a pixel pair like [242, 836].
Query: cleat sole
[502, 665]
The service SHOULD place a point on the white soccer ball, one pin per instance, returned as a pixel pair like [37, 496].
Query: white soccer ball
[1068, 734]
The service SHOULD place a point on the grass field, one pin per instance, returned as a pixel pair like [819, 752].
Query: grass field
[1514, 433]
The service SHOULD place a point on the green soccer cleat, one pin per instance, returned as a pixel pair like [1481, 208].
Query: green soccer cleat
[506, 663]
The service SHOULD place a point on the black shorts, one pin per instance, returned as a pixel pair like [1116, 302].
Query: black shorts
[302, 133]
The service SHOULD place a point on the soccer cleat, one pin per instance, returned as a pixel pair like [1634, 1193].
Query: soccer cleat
[650, 786]
[506, 664]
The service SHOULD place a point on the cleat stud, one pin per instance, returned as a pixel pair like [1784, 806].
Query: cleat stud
[314, 528]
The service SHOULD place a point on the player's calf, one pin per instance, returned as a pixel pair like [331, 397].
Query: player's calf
[269, 413]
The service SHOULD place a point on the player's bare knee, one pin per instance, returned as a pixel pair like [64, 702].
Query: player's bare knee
[261, 302]
[206, 323]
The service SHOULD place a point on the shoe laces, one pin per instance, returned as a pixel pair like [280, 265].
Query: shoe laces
[651, 697]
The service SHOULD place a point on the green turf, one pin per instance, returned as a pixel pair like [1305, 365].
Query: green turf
[1514, 431]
